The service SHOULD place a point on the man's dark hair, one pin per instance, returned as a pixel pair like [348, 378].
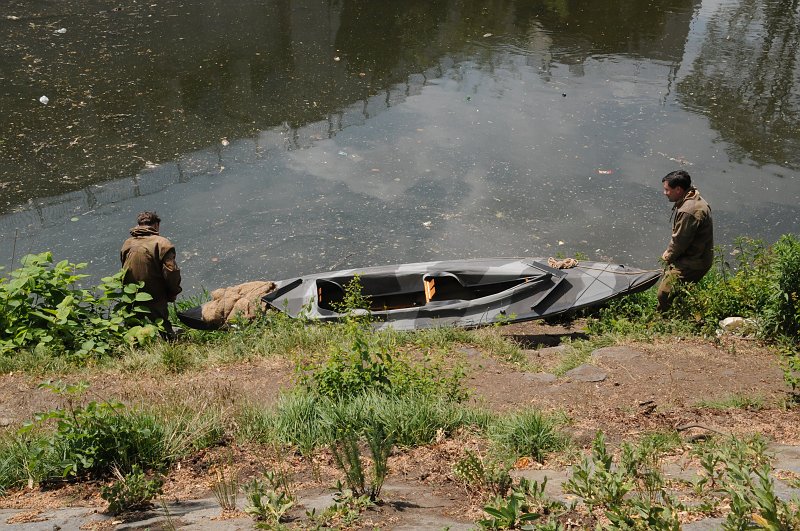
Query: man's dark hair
[678, 178]
[148, 219]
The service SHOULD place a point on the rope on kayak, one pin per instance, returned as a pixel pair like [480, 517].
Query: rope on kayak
[569, 263]
[566, 263]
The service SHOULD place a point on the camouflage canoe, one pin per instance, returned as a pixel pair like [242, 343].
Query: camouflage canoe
[463, 293]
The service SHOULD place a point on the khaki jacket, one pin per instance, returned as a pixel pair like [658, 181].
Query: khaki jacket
[691, 248]
[148, 257]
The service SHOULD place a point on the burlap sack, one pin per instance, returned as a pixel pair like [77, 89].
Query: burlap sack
[242, 301]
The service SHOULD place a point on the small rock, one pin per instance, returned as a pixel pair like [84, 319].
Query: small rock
[586, 373]
[619, 354]
[540, 377]
[551, 351]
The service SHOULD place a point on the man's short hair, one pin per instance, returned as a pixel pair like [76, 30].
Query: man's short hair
[678, 178]
[148, 219]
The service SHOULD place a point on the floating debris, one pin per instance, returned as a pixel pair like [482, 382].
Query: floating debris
[44, 99]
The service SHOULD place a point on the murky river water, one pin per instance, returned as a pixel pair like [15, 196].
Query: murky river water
[280, 137]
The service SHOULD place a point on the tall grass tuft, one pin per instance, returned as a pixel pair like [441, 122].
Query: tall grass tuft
[14, 458]
[528, 433]
[348, 422]
[186, 430]
[298, 421]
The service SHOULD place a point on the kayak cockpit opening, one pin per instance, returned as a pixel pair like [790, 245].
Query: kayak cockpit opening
[436, 289]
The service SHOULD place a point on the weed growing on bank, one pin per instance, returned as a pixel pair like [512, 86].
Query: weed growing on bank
[44, 314]
[80, 441]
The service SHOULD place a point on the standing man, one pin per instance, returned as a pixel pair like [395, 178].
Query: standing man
[690, 252]
[149, 257]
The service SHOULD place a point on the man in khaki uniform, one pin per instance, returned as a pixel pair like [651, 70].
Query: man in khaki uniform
[149, 257]
[690, 252]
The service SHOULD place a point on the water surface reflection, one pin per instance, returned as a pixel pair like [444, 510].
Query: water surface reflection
[299, 136]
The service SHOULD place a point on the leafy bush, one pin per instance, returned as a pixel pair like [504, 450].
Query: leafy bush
[782, 309]
[483, 474]
[41, 308]
[13, 455]
[269, 503]
[92, 440]
[298, 421]
[366, 361]
[95, 440]
[130, 491]
[526, 503]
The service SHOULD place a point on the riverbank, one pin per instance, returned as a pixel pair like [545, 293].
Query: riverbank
[632, 416]
[683, 391]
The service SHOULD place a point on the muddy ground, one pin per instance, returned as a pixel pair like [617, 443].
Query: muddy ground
[625, 390]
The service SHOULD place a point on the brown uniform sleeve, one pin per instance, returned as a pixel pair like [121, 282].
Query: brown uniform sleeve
[172, 274]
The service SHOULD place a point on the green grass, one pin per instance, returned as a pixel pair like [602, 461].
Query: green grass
[528, 433]
[298, 419]
[736, 401]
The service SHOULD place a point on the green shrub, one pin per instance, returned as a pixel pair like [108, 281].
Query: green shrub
[130, 491]
[185, 430]
[13, 456]
[526, 503]
[782, 309]
[266, 504]
[92, 440]
[298, 421]
[367, 361]
[42, 309]
[422, 419]
[483, 474]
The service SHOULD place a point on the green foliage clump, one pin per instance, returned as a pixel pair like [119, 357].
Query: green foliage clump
[42, 309]
[366, 361]
[525, 504]
[739, 470]
[483, 474]
[98, 439]
[632, 491]
[93, 440]
[131, 491]
[297, 419]
[782, 309]
[349, 422]
[268, 503]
